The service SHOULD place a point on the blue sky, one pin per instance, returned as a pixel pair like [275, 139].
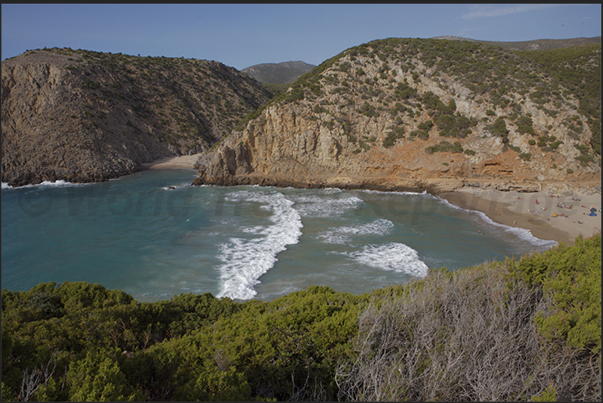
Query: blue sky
[242, 35]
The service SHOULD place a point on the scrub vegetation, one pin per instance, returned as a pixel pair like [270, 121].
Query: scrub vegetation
[501, 331]
[380, 81]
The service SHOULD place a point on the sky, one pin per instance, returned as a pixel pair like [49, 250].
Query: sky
[243, 35]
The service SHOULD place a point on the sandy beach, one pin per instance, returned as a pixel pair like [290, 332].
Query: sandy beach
[182, 162]
[560, 217]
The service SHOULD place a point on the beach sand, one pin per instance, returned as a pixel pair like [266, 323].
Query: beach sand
[182, 162]
[546, 215]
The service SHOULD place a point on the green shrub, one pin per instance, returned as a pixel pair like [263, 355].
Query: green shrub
[524, 125]
[445, 146]
[499, 128]
[525, 156]
[572, 277]
[426, 126]
[368, 110]
[391, 137]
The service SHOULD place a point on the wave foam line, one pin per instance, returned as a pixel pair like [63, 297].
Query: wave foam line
[392, 256]
[246, 260]
[521, 233]
[59, 183]
[318, 206]
[384, 192]
[342, 235]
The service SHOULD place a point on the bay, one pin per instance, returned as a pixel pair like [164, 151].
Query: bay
[154, 236]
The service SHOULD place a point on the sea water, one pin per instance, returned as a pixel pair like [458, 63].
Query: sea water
[154, 236]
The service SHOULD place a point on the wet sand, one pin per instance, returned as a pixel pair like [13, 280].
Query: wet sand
[547, 216]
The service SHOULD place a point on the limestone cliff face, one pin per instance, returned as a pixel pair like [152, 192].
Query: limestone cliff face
[86, 116]
[401, 121]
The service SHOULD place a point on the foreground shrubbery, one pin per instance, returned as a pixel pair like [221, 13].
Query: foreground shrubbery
[527, 330]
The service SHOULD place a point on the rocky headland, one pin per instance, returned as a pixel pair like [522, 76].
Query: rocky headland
[84, 116]
[435, 115]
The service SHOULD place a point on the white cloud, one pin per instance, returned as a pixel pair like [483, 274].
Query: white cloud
[480, 11]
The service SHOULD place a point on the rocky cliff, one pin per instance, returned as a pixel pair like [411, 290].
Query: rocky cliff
[86, 116]
[411, 114]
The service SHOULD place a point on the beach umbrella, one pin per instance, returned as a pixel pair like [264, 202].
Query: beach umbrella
[593, 210]
[593, 214]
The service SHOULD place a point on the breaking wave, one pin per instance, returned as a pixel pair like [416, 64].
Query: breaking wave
[392, 256]
[335, 204]
[342, 235]
[246, 260]
[59, 183]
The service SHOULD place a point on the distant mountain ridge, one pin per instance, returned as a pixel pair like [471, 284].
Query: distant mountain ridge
[278, 73]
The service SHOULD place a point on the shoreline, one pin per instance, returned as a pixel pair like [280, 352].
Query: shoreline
[178, 162]
[560, 217]
[549, 219]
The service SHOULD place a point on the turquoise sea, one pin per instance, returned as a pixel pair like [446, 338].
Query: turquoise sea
[154, 236]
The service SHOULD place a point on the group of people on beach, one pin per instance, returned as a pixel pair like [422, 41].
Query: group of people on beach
[561, 205]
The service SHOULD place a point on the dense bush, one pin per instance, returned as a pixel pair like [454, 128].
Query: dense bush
[392, 136]
[445, 146]
[572, 277]
[499, 128]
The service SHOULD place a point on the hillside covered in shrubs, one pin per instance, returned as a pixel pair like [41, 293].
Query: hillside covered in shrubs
[502, 331]
[387, 114]
[84, 116]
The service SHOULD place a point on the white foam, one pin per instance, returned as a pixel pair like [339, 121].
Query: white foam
[392, 256]
[176, 187]
[381, 192]
[246, 260]
[59, 183]
[342, 235]
[325, 206]
[522, 233]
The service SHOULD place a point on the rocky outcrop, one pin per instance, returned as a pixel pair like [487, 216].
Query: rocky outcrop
[365, 120]
[85, 116]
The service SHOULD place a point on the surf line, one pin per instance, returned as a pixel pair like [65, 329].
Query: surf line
[246, 260]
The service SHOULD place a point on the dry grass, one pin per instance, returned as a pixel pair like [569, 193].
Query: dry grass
[467, 336]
